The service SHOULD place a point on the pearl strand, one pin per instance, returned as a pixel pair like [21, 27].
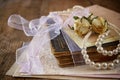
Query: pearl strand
[100, 48]
[98, 65]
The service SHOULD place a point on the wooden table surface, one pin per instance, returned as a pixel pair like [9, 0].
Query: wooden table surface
[11, 39]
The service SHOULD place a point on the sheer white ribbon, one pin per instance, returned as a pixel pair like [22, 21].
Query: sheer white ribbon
[46, 26]
[39, 28]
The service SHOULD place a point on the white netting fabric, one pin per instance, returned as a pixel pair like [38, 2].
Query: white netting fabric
[46, 26]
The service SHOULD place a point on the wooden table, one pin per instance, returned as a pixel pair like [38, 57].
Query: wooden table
[11, 39]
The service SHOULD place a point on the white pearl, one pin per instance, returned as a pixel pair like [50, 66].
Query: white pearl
[118, 48]
[100, 40]
[92, 64]
[115, 51]
[106, 34]
[110, 66]
[98, 44]
[102, 51]
[99, 49]
[118, 57]
[105, 52]
[97, 66]
[87, 61]
[116, 61]
[100, 36]
[85, 56]
[83, 52]
[104, 65]
[110, 53]
[103, 36]
[118, 45]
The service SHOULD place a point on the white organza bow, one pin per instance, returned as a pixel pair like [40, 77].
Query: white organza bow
[46, 26]
[40, 29]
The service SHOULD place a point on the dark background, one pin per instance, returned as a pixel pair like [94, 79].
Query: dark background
[11, 39]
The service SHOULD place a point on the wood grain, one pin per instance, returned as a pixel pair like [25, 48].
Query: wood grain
[11, 39]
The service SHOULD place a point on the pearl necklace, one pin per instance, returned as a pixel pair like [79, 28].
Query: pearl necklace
[100, 48]
[103, 65]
